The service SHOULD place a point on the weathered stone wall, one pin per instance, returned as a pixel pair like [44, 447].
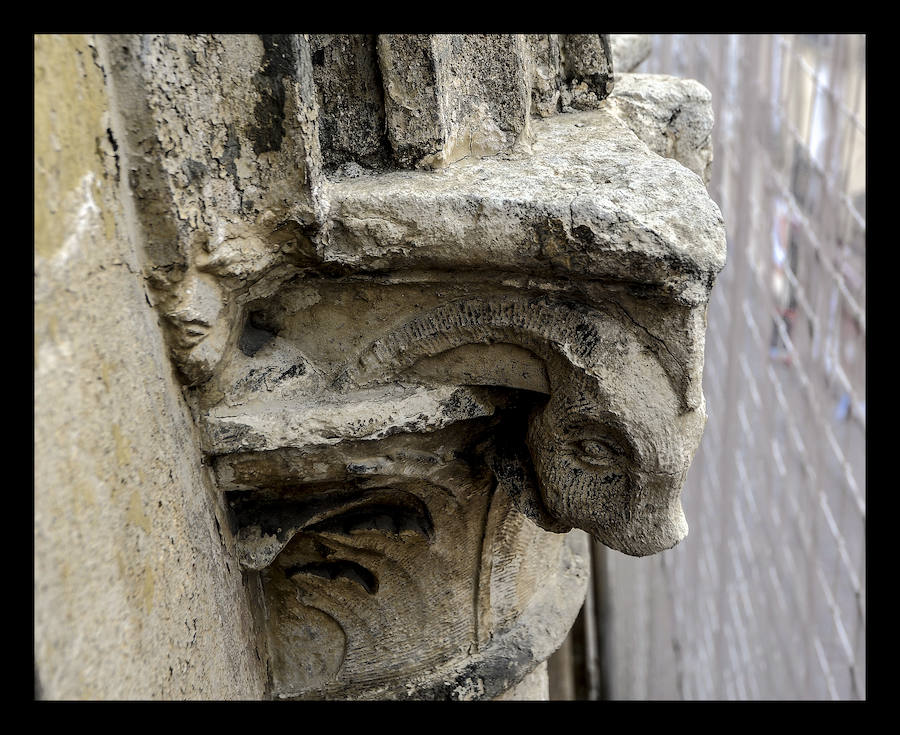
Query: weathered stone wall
[137, 592]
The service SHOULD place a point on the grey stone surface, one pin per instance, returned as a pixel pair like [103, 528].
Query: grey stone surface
[445, 287]
[229, 171]
[587, 62]
[350, 100]
[673, 116]
[629, 50]
[569, 72]
[589, 199]
[546, 78]
[452, 96]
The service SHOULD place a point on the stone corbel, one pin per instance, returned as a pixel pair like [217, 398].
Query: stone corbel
[413, 384]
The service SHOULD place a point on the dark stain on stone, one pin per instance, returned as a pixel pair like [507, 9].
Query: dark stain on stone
[254, 338]
[345, 507]
[255, 380]
[258, 331]
[674, 116]
[291, 372]
[194, 170]
[115, 147]
[349, 92]
[495, 674]
[231, 152]
[279, 61]
[230, 434]
[386, 518]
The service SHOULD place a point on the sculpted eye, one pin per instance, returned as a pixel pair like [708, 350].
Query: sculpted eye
[597, 451]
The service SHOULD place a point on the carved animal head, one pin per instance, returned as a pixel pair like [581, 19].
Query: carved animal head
[612, 445]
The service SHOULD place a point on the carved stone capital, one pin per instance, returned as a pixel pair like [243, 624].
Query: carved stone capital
[412, 383]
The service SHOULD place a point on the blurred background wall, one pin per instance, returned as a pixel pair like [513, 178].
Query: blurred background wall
[766, 598]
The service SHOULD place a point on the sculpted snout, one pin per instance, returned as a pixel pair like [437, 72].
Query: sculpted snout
[614, 476]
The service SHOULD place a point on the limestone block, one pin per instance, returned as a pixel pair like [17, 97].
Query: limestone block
[394, 569]
[452, 96]
[412, 96]
[577, 392]
[621, 214]
[350, 100]
[587, 63]
[546, 73]
[569, 72]
[589, 201]
[673, 116]
[536, 318]
[629, 50]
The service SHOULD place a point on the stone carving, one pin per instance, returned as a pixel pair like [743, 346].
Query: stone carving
[629, 50]
[427, 325]
[672, 116]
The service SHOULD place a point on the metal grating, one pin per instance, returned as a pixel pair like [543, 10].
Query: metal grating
[765, 599]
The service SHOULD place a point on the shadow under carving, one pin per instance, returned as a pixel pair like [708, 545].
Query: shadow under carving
[384, 560]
